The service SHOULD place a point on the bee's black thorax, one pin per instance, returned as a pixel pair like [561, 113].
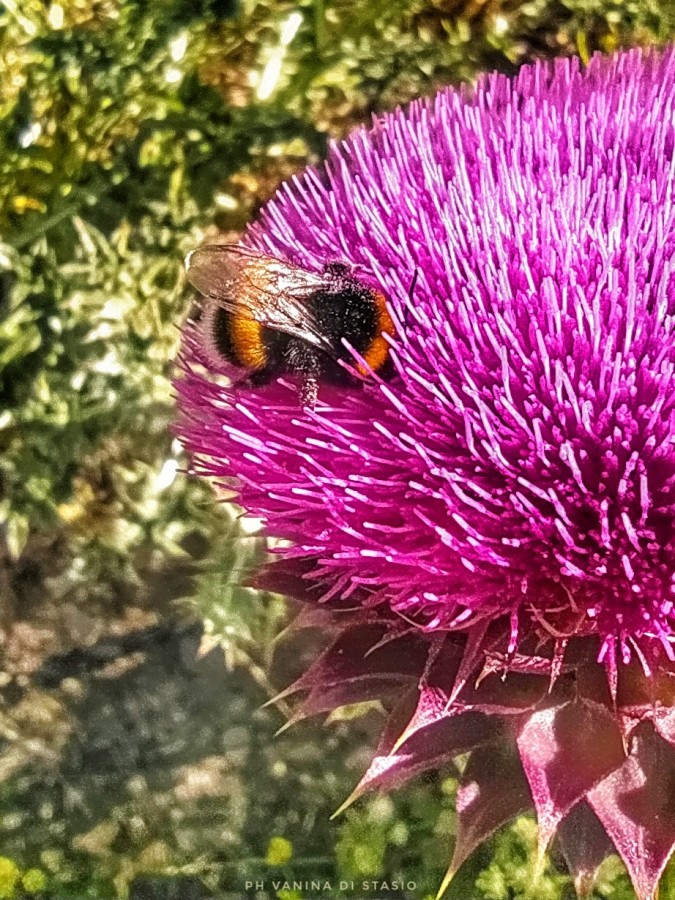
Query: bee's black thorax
[345, 309]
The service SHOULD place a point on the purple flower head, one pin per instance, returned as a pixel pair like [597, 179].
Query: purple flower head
[521, 461]
[492, 528]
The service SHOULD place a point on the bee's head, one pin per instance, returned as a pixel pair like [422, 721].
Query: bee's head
[337, 270]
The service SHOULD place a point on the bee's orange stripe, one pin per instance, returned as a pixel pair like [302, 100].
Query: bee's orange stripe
[247, 342]
[376, 355]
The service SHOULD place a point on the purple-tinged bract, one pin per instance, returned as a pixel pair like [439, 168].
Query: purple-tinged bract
[514, 482]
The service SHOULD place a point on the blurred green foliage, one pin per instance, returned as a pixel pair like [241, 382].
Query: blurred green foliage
[130, 131]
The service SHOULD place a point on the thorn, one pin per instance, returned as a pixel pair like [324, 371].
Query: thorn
[445, 884]
[556, 662]
[583, 884]
[540, 859]
[207, 643]
[545, 832]
[280, 696]
[355, 794]
[284, 727]
[400, 740]
[399, 743]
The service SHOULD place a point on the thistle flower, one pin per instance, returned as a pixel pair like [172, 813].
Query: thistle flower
[493, 527]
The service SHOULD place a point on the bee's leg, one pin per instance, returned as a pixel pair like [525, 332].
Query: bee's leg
[309, 389]
[407, 318]
[305, 361]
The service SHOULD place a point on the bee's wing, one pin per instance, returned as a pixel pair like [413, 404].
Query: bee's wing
[259, 287]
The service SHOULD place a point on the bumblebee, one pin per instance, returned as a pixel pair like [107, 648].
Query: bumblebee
[269, 317]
